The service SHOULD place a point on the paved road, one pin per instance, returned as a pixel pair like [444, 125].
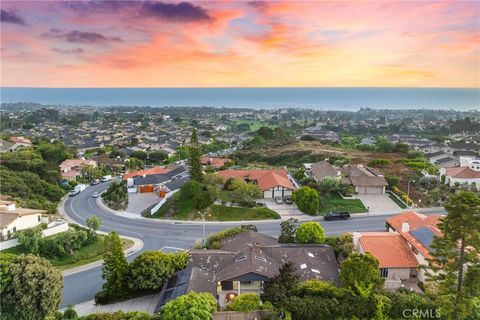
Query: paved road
[155, 234]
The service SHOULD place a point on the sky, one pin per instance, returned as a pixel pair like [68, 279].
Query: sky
[240, 44]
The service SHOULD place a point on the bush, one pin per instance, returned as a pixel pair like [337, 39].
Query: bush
[101, 297]
[245, 302]
[197, 193]
[120, 315]
[393, 181]
[329, 185]
[214, 239]
[310, 232]
[379, 163]
[199, 306]
[307, 200]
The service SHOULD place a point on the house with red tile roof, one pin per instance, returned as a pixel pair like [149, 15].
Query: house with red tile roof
[402, 250]
[71, 168]
[215, 163]
[273, 182]
[462, 175]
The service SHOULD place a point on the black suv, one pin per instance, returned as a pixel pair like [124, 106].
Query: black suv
[336, 216]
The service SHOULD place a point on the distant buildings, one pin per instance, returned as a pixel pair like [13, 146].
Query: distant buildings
[71, 168]
[318, 133]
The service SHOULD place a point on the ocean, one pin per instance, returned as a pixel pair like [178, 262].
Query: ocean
[257, 98]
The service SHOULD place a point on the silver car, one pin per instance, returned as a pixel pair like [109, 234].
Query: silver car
[95, 195]
[278, 200]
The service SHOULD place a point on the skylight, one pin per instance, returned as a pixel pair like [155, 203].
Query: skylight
[260, 259]
[241, 258]
[303, 266]
[311, 255]
[315, 270]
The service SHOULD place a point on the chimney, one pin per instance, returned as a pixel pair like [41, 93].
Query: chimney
[405, 227]
[144, 175]
[356, 240]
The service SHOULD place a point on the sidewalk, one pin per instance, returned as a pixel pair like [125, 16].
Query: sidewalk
[145, 304]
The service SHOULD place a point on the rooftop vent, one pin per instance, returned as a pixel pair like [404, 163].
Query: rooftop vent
[311, 255]
[303, 266]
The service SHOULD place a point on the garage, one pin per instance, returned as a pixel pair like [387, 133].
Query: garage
[374, 190]
[144, 189]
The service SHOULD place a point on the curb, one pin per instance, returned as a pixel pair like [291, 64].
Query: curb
[137, 243]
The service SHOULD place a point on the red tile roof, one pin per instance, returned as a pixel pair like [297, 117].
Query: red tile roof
[462, 173]
[266, 179]
[214, 162]
[154, 170]
[390, 249]
[415, 221]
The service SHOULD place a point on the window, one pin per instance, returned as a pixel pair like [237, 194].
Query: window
[241, 258]
[384, 272]
[414, 250]
[14, 229]
[38, 218]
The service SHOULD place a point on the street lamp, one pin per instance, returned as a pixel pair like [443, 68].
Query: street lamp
[408, 191]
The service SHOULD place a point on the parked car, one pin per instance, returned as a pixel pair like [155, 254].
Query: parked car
[77, 189]
[95, 195]
[106, 178]
[278, 200]
[95, 182]
[336, 216]
[73, 193]
[288, 200]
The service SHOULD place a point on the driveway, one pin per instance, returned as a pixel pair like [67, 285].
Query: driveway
[137, 202]
[286, 211]
[378, 203]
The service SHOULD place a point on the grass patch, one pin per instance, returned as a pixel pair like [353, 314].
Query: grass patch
[397, 201]
[88, 254]
[337, 203]
[177, 209]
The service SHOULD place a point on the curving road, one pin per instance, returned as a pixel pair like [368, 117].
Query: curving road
[157, 234]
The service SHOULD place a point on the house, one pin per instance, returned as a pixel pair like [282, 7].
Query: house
[321, 134]
[455, 147]
[7, 146]
[273, 183]
[71, 168]
[449, 161]
[214, 162]
[397, 262]
[462, 175]
[323, 169]
[244, 262]
[13, 218]
[368, 141]
[418, 230]
[160, 180]
[434, 156]
[364, 180]
[21, 141]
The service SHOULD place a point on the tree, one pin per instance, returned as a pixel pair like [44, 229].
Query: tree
[157, 156]
[245, 193]
[194, 160]
[70, 313]
[393, 181]
[35, 289]
[91, 172]
[328, 185]
[310, 232]
[455, 255]
[151, 269]
[287, 231]
[93, 224]
[245, 302]
[30, 239]
[279, 287]
[307, 200]
[142, 155]
[265, 132]
[360, 275]
[199, 306]
[115, 268]
[134, 164]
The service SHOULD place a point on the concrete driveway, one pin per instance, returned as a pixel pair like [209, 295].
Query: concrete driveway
[286, 211]
[378, 203]
[137, 202]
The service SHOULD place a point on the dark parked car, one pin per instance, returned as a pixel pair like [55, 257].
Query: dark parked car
[288, 200]
[336, 216]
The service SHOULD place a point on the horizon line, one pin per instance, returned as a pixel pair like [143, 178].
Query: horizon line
[273, 87]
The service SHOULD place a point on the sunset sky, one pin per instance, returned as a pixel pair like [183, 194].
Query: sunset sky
[240, 44]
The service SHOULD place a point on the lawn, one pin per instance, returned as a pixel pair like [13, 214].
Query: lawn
[176, 209]
[337, 203]
[85, 255]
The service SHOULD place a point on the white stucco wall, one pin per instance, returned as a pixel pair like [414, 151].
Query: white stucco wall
[21, 223]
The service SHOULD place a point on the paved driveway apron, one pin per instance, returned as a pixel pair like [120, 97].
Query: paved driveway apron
[378, 203]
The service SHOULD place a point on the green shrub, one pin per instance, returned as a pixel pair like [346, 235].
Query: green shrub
[379, 163]
[310, 232]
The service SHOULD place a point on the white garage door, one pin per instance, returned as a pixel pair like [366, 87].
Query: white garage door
[374, 190]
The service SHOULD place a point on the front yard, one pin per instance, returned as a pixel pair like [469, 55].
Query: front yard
[337, 203]
[90, 253]
[176, 209]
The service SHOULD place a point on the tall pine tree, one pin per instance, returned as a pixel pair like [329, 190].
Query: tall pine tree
[194, 160]
[115, 268]
[456, 256]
